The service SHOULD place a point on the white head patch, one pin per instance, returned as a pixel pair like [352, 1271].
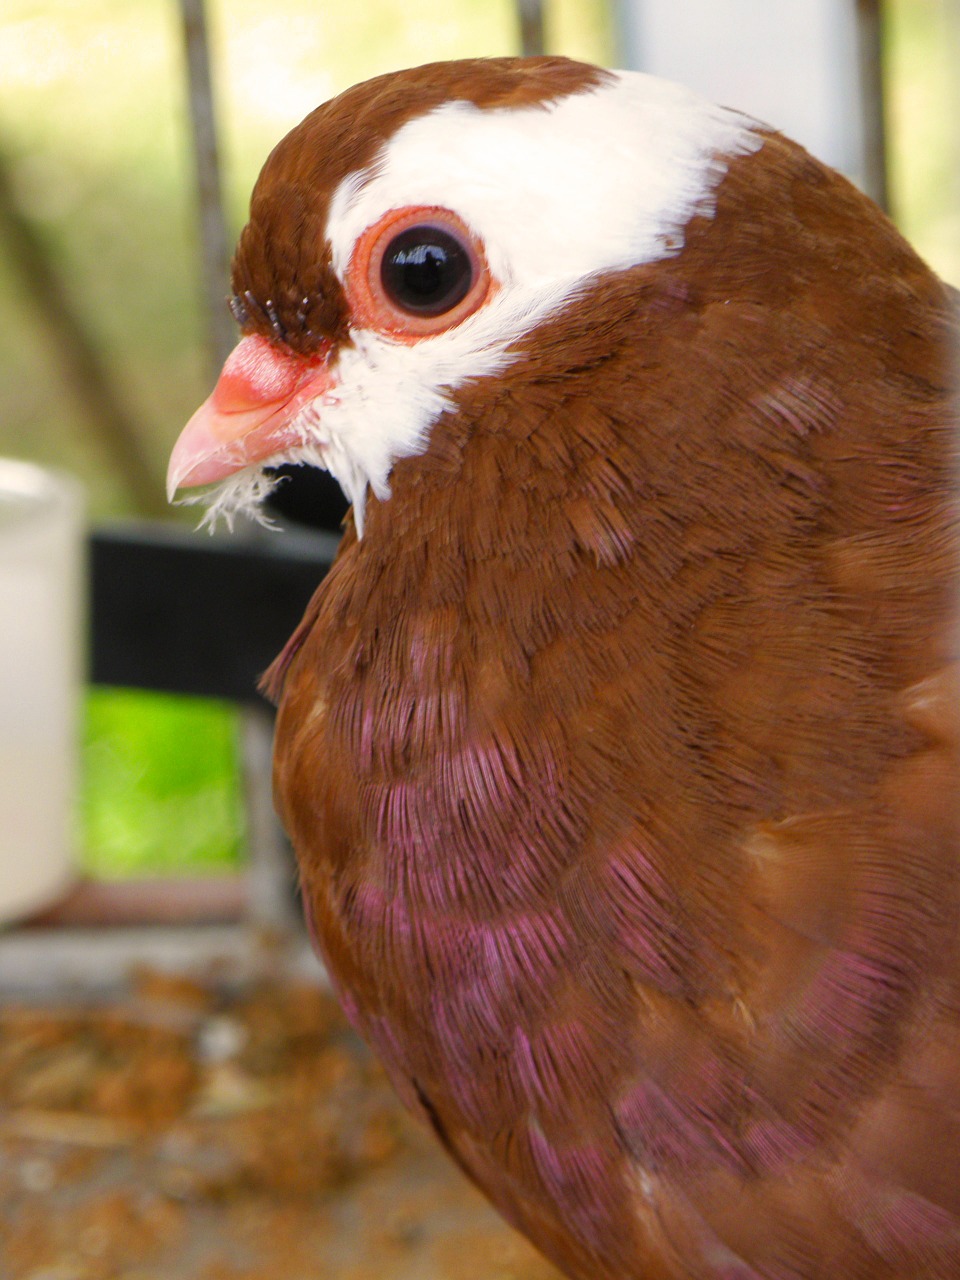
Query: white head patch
[558, 194]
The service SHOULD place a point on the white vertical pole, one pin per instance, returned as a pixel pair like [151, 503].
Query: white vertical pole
[795, 64]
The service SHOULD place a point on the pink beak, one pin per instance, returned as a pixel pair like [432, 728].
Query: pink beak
[251, 414]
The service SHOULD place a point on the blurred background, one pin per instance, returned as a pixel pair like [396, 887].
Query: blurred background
[97, 166]
[186, 1101]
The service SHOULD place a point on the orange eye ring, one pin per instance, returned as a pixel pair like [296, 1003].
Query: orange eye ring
[448, 258]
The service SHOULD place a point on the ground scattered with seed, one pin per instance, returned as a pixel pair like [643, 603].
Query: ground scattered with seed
[185, 1132]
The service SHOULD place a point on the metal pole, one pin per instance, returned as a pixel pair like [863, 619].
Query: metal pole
[272, 875]
[215, 254]
[871, 49]
[530, 14]
[272, 872]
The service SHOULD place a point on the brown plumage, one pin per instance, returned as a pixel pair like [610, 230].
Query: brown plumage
[620, 753]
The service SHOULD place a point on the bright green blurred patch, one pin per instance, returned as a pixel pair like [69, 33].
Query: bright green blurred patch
[161, 793]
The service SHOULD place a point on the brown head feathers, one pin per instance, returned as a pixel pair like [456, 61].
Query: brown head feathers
[284, 287]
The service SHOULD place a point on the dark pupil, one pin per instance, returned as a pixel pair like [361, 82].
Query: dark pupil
[426, 271]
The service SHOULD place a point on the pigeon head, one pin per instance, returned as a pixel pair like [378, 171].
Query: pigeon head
[410, 237]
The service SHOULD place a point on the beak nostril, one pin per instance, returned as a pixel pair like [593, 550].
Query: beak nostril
[256, 372]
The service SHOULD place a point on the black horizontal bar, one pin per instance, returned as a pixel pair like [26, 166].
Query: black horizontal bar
[184, 612]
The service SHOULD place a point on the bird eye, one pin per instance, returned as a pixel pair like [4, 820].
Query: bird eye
[426, 271]
[417, 272]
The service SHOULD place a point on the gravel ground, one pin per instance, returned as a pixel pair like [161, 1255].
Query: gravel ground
[181, 1131]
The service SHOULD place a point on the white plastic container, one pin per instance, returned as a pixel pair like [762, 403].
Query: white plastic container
[41, 670]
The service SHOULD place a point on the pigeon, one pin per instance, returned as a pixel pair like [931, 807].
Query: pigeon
[619, 745]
